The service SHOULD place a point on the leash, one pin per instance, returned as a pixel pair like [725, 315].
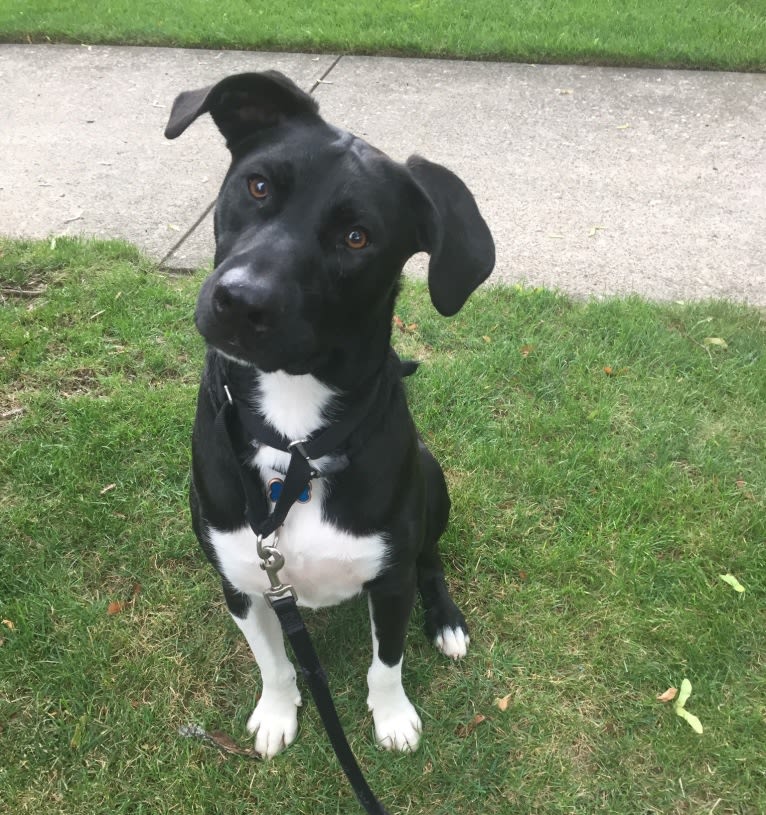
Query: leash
[236, 414]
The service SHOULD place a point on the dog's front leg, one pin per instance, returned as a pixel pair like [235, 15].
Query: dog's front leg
[274, 722]
[397, 724]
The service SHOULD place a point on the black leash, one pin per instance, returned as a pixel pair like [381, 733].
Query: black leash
[237, 415]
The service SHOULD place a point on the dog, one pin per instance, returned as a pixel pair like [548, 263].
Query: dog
[312, 229]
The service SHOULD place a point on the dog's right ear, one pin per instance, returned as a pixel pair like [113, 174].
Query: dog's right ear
[241, 104]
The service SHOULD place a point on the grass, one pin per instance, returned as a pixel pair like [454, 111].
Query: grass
[716, 34]
[593, 514]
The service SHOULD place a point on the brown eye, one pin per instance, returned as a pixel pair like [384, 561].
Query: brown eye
[356, 238]
[258, 187]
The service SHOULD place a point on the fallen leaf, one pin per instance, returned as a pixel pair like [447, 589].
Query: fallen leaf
[398, 322]
[502, 704]
[683, 696]
[526, 350]
[686, 692]
[719, 342]
[740, 483]
[668, 696]
[79, 732]
[226, 743]
[733, 582]
[117, 606]
[695, 723]
[464, 730]
[217, 738]
[486, 338]
[9, 624]
[107, 488]
[523, 575]
[608, 370]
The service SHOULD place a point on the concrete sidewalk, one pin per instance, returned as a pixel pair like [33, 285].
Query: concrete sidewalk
[595, 181]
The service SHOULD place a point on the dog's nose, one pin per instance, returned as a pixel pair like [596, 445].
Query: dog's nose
[239, 296]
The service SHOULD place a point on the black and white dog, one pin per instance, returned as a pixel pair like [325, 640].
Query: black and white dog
[313, 227]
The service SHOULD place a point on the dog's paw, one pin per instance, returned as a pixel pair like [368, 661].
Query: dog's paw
[452, 642]
[397, 725]
[274, 723]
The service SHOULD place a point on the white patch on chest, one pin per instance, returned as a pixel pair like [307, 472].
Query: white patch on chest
[324, 564]
[293, 405]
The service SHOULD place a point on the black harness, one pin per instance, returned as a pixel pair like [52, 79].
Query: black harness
[243, 426]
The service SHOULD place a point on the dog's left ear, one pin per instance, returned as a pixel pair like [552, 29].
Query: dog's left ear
[453, 232]
[241, 104]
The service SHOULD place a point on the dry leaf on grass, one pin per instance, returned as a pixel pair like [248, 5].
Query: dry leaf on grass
[465, 730]
[502, 704]
[410, 328]
[227, 744]
[217, 738]
[117, 606]
[668, 696]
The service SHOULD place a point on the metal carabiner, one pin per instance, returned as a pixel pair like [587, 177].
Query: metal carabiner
[272, 560]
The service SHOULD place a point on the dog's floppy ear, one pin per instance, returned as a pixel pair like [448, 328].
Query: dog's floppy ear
[453, 232]
[241, 104]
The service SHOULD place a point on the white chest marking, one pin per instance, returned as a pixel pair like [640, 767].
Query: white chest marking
[293, 405]
[325, 565]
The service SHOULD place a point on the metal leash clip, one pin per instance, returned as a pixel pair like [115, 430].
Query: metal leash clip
[272, 560]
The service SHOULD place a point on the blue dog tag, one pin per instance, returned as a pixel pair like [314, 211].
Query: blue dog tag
[275, 490]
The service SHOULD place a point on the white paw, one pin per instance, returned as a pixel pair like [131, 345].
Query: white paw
[274, 723]
[397, 725]
[452, 642]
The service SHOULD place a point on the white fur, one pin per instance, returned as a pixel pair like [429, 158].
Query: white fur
[274, 722]
[397, 724]
[452, 642]
[296, 406]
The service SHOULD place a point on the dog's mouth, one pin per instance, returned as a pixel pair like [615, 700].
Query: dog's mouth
[268, 351]
[268, 363]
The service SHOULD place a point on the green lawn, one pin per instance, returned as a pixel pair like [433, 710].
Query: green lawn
[606, 464]
[689, 33]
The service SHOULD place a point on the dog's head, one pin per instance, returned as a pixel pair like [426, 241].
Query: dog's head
[313, 227]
